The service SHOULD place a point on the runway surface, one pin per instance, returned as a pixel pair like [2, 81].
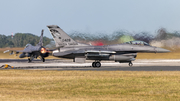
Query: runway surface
[60, 64]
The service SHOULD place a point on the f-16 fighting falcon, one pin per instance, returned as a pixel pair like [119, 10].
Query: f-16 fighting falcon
[122, 53]
[34, 51]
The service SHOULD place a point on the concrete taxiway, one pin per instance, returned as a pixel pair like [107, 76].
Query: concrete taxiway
[61, 64]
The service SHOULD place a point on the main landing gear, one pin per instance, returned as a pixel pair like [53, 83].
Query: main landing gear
[42, 59]
[30, 59]
[96, 64]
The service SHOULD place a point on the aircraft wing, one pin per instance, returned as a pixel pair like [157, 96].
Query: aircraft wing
[30, 49]
[17, 51]
[68, 52]
[24, 51]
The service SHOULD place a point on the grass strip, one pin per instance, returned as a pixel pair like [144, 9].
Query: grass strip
[32, 85]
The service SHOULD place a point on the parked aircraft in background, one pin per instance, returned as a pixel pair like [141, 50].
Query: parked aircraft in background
[122, 53]
[33, 51]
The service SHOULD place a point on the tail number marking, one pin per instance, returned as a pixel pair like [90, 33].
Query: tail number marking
[66, 40]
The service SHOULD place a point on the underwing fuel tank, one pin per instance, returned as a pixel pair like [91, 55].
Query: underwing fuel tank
[23, 55]
[121, 58]
[127, 57]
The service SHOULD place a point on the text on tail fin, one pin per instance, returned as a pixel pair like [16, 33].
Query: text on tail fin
[60, 37]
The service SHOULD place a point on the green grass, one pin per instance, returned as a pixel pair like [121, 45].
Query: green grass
[89, 85]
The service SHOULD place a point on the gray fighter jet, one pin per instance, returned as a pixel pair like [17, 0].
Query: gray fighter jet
[122, 53]
[34, 51]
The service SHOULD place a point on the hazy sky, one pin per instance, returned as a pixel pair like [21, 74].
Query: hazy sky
[92, 16]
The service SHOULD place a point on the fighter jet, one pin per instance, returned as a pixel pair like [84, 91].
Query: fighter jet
[122, 53]
[34, 51]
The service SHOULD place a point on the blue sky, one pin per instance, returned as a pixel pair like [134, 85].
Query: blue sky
[91, 16]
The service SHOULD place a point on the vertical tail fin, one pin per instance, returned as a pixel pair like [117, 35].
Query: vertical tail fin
[41, 39]
[60, 37]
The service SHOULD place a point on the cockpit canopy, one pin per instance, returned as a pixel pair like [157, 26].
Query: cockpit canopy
[27, 45]
[138, 43]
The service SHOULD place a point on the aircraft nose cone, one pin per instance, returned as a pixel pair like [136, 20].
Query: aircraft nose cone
[161, 50]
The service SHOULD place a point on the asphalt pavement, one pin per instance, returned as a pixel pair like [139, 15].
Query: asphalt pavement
[61, 65]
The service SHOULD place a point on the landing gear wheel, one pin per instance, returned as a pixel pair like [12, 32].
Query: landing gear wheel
[93, 64]
[29, 60]
[43, 60]
[130, 64]
[98, 64]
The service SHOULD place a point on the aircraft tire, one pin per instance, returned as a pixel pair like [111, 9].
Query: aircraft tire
[130, 64]
[97, 64]
[43, 60]
[94, 64]
[29, 60]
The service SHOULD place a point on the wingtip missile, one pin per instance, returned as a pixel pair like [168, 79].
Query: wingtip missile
[6, 51]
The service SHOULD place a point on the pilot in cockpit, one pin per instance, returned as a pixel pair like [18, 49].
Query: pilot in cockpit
[138, 43]
[27, 45]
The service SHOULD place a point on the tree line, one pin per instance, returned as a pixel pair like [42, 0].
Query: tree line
[21, 39]
[116, 36]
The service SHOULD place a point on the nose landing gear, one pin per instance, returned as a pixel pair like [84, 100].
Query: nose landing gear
[130, 64]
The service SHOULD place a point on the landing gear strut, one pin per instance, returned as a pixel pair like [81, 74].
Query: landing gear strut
[30, 59]
[130, 64]
[42, 59]
[96, 64]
